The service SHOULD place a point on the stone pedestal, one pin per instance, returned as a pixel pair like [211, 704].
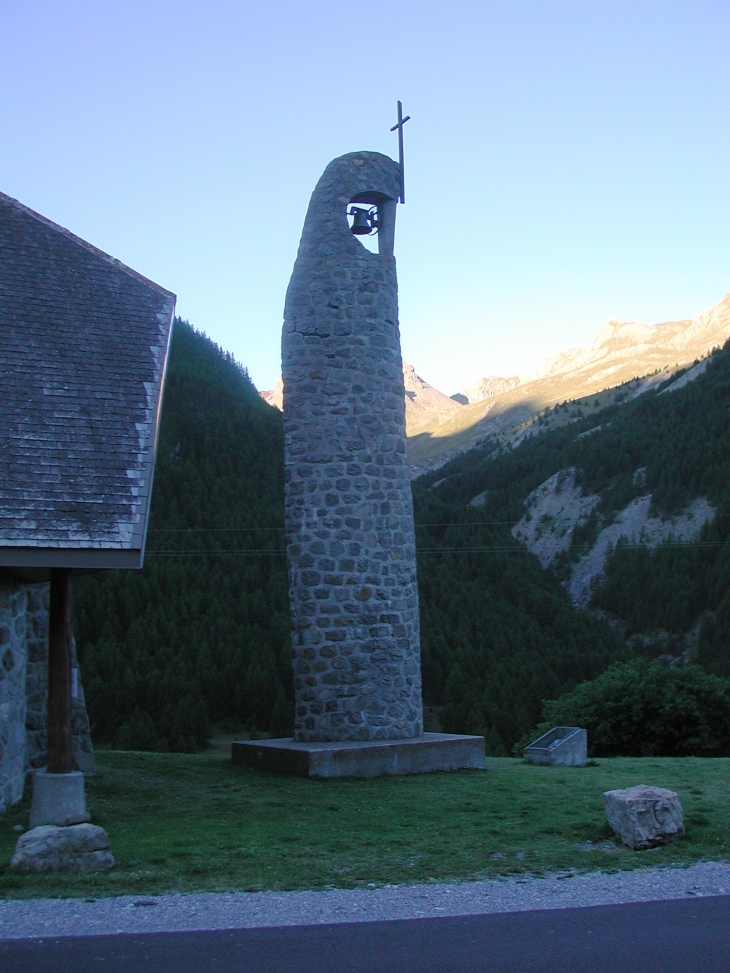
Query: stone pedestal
[372, 758]
[58, 799]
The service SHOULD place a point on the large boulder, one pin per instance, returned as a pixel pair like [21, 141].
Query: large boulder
[644, 816]
[78, 848]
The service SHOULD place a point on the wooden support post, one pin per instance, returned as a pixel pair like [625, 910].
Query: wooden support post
[59, 673]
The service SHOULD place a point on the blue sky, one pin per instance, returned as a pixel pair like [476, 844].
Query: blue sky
[566, 162]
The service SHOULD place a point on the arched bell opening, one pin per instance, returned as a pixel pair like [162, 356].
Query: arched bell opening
[371, 217]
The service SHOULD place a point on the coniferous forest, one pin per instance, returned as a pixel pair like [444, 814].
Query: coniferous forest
[201, 634]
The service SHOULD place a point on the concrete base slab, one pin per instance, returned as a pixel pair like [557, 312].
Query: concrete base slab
[58, 799]
[355, 758]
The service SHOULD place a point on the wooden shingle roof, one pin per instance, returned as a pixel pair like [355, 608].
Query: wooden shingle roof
[83, 350]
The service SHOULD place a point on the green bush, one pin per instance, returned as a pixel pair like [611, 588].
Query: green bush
[641, 709]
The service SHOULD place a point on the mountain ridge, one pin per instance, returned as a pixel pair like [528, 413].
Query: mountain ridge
[621, 352]
[441, 426]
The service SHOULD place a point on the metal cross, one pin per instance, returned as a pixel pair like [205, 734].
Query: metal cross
[401, 122]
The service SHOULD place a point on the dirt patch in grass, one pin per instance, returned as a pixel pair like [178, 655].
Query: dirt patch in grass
[180, 822]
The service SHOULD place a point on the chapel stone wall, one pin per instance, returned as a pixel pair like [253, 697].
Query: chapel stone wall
[24, 691]
[349, 511]
[12, 693]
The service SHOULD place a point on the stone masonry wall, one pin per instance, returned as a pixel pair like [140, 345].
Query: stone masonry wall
[349, 512]
[24, 689]
[12, 693]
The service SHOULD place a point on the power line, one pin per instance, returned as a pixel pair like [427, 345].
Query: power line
[234, 553]
[488, 549]
[206, 530]
[212, 530]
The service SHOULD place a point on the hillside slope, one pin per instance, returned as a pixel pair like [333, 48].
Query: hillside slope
[630, 509]
[202, 633]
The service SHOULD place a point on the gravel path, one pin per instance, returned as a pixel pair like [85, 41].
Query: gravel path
[44, 918]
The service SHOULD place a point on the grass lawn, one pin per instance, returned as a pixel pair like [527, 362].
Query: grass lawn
[180, 822]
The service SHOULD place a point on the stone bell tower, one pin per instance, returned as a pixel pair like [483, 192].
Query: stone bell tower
[349, 511]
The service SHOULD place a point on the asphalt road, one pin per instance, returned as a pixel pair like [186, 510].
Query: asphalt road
[678, 936]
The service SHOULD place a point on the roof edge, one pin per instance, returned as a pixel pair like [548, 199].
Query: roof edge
[58, 557]
[4, 198]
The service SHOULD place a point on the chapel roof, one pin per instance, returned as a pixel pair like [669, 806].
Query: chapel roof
[84, 343]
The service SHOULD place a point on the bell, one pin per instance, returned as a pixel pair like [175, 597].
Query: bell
[361, 224]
